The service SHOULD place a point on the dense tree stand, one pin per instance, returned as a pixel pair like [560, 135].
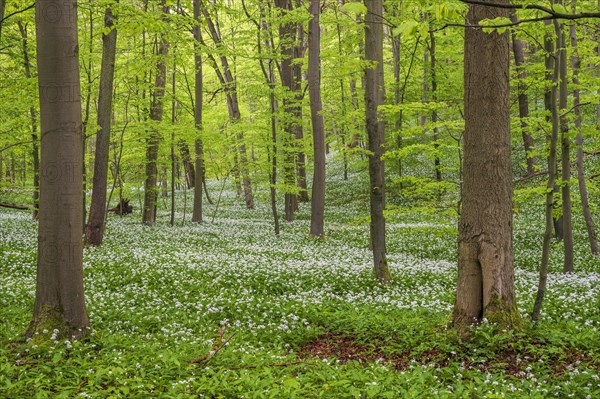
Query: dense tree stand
[485, 287]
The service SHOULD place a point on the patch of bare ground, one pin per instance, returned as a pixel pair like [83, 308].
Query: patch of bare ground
[517, 363]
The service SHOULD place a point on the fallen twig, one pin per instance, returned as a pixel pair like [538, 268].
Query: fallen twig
[218, 345]
[254, 366]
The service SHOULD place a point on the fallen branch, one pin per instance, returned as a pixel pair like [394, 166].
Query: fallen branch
[15, 206]
[218, 345]
[24, 362]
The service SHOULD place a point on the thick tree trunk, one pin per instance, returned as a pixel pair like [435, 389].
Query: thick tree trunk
[156, 114]
[485, 286]
[583, 193]
[314, 88]
[198, 145]
[94, 230]
[35, 152]
[528, 142]
[59, 299]
[550, 222]
[374, 97]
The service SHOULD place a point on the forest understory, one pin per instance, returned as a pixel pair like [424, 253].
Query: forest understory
[225, 309]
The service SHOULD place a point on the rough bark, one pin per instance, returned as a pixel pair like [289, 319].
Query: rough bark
[583, 193]
[59, 299]
[94, 230]
[485, 286]
[374, 96]
[188, 166]
[198, 145]
[316, 107]
[152, 143]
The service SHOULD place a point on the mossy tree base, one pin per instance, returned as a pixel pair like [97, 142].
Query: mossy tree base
[49, 324]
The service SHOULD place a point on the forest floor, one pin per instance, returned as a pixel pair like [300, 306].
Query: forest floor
[225, 309]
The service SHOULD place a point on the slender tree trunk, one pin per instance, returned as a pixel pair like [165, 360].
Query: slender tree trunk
[549, 65]
[35, 152]
[174, 166]
[287, 38]
[198, 145]
[152, 143]
[434, 114]
[565, 155]
[299, 130]
[94, 231]
[374, 96]
[485, 286]
[59, 298]
[188, 166]
[2, 8]
[583, 193]
[537, 307]
[316, 107]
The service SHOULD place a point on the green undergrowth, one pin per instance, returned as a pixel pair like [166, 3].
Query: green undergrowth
[261, 316]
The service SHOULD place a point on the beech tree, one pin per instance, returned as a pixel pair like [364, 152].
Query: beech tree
[94, 230]
[59, 299]
[374, 96]
[485, 287]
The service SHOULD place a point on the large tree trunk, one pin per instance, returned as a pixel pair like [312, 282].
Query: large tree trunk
[583, 193]
[314, 88]
[156, 114]
[198, 145]
[374, 97]
[528, 142]
[94, 230]
[59, 299]
[35, 152]
[485, 286]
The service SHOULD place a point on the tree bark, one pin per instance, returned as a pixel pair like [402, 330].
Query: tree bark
[152, 143]
[314, 88]
[550, 188]
[94, 230]
[198, 145]
[567, 223]
[299, 95]
[485, 286]
[35, 151]
[434, 115]
[374, 97]
[583, 193]
[528, 142]
[59, 299]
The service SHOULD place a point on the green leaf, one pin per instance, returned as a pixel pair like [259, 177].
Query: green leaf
[354, 8]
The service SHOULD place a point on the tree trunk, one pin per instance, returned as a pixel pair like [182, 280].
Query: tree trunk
[583, 193]
[434, 114]
[528, 142]
[541, 291]
[299, 96]
[35, 152]
[485, 286]
[59, 299]
[374, 96]
[156, 114]
[549, 65]
[94, 231]
[188, 166]
[565, 155]
[314, 88]
[198, 147]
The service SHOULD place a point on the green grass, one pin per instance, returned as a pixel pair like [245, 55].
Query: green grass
[158, 297]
